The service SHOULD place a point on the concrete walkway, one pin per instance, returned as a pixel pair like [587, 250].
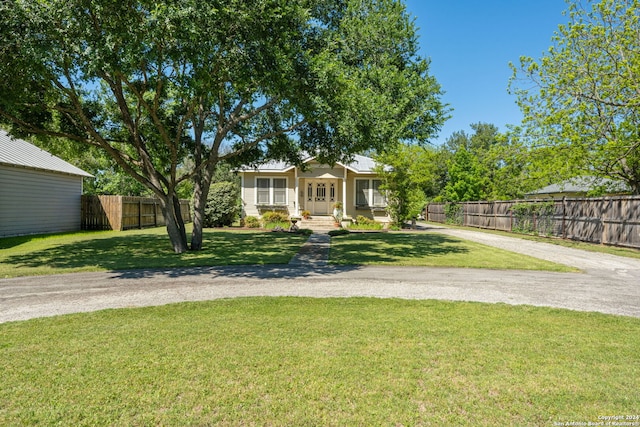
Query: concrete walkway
[607, 284]
[314, 253]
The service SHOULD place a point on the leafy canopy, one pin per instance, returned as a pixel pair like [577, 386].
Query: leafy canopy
[582, 98]
[169, 89]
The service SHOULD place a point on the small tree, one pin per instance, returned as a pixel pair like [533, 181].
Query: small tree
[467, 179]
[409, 172]
[222, 204]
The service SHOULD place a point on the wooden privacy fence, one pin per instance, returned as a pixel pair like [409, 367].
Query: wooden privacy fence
[607, 220]
[125, 212]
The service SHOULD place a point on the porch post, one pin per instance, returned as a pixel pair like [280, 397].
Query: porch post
[296, 200]
[344, 192]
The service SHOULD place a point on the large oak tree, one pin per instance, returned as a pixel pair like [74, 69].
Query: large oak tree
[155, 82]
[581, 100]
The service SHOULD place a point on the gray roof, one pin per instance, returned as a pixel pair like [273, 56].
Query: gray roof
[360, 164]
[582, 184]
[18, 152]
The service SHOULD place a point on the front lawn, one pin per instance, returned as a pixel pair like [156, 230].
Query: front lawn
[302, 361]
[135, 249]
[429, 250]
[150, 248]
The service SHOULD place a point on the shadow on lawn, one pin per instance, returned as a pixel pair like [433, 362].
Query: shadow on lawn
[139, 255]
[394, 247]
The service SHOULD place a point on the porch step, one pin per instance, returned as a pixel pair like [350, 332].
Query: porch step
[319, 224]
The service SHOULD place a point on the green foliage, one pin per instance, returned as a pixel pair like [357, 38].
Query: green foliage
[533, 217]
[277, 226]
[486, 165]
[364, 223]
[338, 232]
[152, 84]
[453, 213]
[222, 204]
[275, 217]
[304, 231]
[409, 173]
[580, 100]
[467, 178]
[274, 220]
[252, 222]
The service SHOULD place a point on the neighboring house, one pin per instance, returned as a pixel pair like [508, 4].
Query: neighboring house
[39, 192]
[284, 187]
[580, 187]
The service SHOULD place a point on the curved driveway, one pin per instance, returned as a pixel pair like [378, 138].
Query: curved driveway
[607, 283]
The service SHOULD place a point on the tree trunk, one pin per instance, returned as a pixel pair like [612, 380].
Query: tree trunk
[199, 203]
[175, 224]
[202, 184]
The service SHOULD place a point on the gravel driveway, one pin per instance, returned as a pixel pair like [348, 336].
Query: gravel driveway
[607, 283]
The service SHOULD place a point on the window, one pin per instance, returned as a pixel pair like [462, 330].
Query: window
[271, 191]
[368, 193]
[279, 191]
[378, 197]
[362, 192]
[262, 190]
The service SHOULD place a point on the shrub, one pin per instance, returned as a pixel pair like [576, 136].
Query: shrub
[273, 217]
[364, 223]
[222, 204]
[363, 220]
[251, 222]
[338, 232]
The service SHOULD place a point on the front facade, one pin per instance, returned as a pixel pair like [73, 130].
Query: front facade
[317, 189]
[39, 192]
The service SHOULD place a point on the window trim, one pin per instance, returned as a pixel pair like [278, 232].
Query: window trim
[272, 190]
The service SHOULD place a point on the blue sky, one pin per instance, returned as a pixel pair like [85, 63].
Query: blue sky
[470, 44]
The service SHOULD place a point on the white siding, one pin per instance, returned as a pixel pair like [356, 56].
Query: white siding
[33, 201]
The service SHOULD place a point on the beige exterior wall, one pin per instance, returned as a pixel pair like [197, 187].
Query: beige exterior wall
[35, 202]
[249, 195]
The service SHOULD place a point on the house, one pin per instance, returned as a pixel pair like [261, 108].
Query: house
[316, 188]
[580, 187]
[39, 192]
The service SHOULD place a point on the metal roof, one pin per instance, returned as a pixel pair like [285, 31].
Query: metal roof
[583, 184]
[18, 152]
[360, 164]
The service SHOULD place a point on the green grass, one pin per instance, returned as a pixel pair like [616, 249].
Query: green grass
[300, 361]
[429, 250]
[135, 249]
[139, 249]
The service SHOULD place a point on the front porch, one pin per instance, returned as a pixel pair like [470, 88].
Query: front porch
[319, 196]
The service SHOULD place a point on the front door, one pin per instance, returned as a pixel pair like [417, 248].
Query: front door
[320, 196]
